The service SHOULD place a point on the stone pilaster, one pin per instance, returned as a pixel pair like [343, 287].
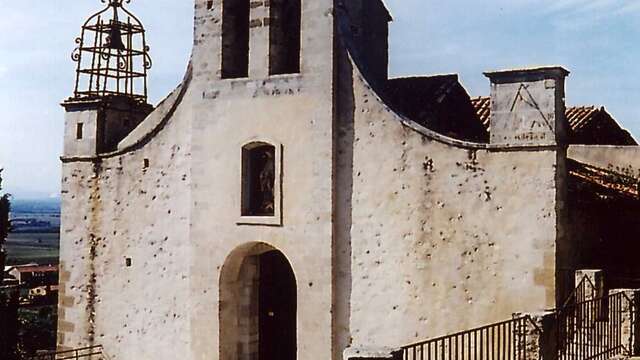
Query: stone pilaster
[259, 40]
[527, 107]
[596, 278]
[538, 339]
[628, 307]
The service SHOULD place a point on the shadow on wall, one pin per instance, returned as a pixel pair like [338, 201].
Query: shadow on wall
[604, 224]
[439, 103]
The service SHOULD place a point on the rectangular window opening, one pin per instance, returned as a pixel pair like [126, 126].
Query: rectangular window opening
[235, 39]
[79, 131]
[284, 35]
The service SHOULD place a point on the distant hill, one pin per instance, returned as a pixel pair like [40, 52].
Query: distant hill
[35, 236]
[35, 216]
[35, 206]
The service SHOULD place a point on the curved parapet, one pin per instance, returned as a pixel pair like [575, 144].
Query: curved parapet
[147, 128]
[528, 104]
[383, 90]
[156, 120]
[433, 219]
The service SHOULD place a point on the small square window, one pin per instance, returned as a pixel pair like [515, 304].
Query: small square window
[79, 131]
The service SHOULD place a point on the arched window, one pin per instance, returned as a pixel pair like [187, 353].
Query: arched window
[284, 35]
[258, 180]
[235, 39]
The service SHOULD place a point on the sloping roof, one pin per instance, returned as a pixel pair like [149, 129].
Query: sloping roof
[11, 267]
[577, 116]
[437, 102]
[580, 116]
[36, 268]
[482, 104]
[385, 9]
[587, 124]
[605, 179]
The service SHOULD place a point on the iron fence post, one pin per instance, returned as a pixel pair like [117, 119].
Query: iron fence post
[629, 334]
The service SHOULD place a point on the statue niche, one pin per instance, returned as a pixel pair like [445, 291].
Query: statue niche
[258, 177]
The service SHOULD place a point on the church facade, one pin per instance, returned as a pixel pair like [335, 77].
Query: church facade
[289, 201]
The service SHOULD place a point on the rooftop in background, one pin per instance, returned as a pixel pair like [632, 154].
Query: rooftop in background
[32, 268]
[607, 184]
[438, 102]
[588, 125]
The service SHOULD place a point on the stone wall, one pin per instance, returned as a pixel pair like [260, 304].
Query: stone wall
[444, 235]
[394, 233]
[167, 202]
[294, 113]
[621, 159]
[131, 208]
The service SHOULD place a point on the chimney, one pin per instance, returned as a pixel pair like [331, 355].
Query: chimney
[527, 107]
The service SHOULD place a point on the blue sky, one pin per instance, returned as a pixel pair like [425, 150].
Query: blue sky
[595, 39]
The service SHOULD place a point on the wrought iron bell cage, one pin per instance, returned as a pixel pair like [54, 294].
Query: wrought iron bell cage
[112, 55]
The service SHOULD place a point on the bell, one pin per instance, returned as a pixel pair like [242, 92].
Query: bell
[114, 40]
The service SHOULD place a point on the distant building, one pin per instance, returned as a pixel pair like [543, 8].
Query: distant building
[30, 223]
[42, 291]
[8, 279]
[33, 275]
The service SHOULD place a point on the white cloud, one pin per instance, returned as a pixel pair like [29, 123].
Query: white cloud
[632, 7]
[590, 9]
[3, 70]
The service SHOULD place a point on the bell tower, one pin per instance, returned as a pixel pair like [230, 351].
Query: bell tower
[110, 94]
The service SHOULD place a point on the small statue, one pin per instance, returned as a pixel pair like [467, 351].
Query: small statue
[267, 181]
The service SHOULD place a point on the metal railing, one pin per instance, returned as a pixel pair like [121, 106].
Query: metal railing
[593, 329]
[85, 353]
[583, 291]
[500, 341]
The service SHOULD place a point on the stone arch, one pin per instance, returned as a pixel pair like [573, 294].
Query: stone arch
[250, 328]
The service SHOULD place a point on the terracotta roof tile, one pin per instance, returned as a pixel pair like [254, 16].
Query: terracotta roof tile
[606, 179]
[578, 116]
[37, 268]
[482, 104]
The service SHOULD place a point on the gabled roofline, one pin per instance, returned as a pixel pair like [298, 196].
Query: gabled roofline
[386, 9]
[359, 63]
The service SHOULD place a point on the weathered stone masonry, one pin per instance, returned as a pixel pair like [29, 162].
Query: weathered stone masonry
[393, 232]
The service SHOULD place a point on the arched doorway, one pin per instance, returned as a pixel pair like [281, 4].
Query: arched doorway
[258, 305]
